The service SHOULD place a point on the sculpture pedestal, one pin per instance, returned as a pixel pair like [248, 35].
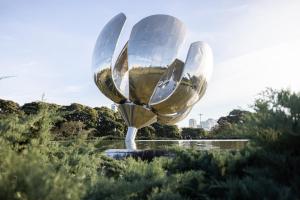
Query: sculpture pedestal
[130, 137]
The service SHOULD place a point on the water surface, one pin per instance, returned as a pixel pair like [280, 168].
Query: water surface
[162, 144]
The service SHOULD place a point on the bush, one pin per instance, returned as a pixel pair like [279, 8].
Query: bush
[7, 107]
[33, 166]
[193, 133]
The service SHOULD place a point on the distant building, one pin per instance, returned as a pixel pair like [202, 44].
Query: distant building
[114, 107]
[208, 124]
[192, 123]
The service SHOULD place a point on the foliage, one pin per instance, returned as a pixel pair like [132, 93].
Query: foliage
[34, 107]
[7, 107]
[193, 133]
[98, 121]
[33, 166]
[69, 128]
[147, 132]
[166, 131]
[78, 112]
[110, 123]
[235, 116]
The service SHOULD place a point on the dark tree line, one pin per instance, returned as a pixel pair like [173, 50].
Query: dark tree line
[102, 121]
[99, 121]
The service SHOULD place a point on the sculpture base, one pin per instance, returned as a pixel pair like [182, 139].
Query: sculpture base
[130, 137]
[136, 115]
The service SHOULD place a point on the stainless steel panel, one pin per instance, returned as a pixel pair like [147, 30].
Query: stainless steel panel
[193, 84]
[173, 118]
[148, 81]
[168, 82]
[104, 82]
[102, 57]
[120, 73]
[136, 116]
[152, 47]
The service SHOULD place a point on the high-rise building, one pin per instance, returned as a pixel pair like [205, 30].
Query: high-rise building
[208, 124]
[192, 123]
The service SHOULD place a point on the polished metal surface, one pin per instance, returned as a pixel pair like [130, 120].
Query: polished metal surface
[171, 119]
[120, 73]
[102, 58]
[104, 81]
[148, 81]
[130, 136]
[152, 47]
[136, 115]
[168, 82]
[196, 71]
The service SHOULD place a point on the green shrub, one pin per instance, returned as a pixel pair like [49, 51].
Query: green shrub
[34, 166]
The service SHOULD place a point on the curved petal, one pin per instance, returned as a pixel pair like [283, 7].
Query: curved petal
[174, 118]
[167, 83]
[102, 57]
[120, 73]
[153, 46]
[196, 72]
[136, 116]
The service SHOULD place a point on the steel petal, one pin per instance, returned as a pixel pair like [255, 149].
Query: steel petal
[168, 82]
[152, 47]
[173, 118]
[136, 116]
[196, 72]
[120, 73]
[102, 58]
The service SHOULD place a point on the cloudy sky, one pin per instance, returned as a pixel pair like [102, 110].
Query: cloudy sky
[47, 45]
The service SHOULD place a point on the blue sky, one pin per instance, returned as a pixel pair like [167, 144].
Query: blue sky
[47, 45]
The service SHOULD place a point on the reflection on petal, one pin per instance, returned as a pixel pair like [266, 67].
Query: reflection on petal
[136, 116]
[120, 73]
[102, 57]
[103, 80]
[199, 61]
[168, 82]
[152, 47]
[173, 118]
[147, 73]
[142, 83]
[197, 70]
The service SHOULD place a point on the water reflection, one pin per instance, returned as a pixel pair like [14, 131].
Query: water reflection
[118, 148]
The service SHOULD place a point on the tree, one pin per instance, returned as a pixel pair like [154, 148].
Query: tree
[193, 133]
[9, 107]
[70, 128]
[35, 107]
[78, 112]
[227, 123]
[279, 109]
[235, 116]
[147, 132]
[109, 123]
[167, 131]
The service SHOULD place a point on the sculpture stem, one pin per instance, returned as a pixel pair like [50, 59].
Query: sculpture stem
[130, 136]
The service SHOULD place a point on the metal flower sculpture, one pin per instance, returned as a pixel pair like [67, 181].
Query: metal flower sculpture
[148, 82]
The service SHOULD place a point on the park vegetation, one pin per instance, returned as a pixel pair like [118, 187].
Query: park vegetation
[104, 122]
[34, 164]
